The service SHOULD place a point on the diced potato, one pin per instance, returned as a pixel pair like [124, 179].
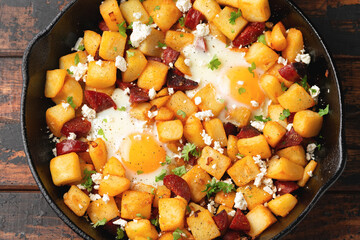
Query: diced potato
[153, 76]
[181, 66]
[54, 82]
[273, 132]
[113, 185]
[142, 187]
[164, 12]
[114, 167]
[170, 130]
[281, 206]
[240, 116]
[197, 178]
[209, 100]
[209, 8]
[278, 37]
[171, 213]
[271, 87]
[141, 228]
[150, 46]
[65, 62]
[243, 171]
[274, 71]
[140, 111]
[164, 114]
[309, 169]
[76, 200]
[110, 11]
[91, 42]
[160, 101]
[254, 196]
[267, 35]
[263, 56]
[274, 112]
[222, 22]
[101, 76]
[296, 99]
[163, 92]
[217, 33]
[254, 146]
[231, 149]
[178, 40]
[260, 218]
[98, 154]
[98, 210]
[57, 116]
[71, 88]
[109, 90]
[225, 199]
[255, 10]
[216, 131]
[307, 123]
[214, 162]
[162, 192]
[295, 44]
[179, 103]
[233, 3]
[192, 131]
[136, 203]
[65, 169]
[295, 154]
[284, 169]
[112, 45]
[136, 64]
[128, 8]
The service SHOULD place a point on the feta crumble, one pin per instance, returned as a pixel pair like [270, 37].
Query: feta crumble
[137, 15]
[197, 100]
[140, 33]
[204, 115]
[152, 93]
[282, 60]
[254, 103]
[90, 58]
[240, 83]
[170, 91]
[106, 198]
[218, 147]
[88, 113]
[81, 187]
[310, 149]
[183, 5]
[240, 201]
[289, 126]
[72, 136]
[231, 213]
[207, 139]
[78, 71]
[310, 173]
[258, 125]
[94, 197]
[121, 222]
[65, 105]
[99, 62]
[152, 114]
[303, 57]
[78, 43]
[120, 63]
[202, 30]
[314, 92]
[96, 178]
[211, 207]
[127, 90]
[187, 62]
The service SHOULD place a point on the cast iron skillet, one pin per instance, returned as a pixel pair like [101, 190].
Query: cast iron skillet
[59, 37]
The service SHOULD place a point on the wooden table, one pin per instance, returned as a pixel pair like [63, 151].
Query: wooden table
[24, 214]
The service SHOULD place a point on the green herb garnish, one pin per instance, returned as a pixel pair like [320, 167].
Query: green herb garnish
[100, 223]
[140, 215]
[215, 186]
[179, 171]
[262, 119]
[167, 161]
[214, 63]
[325, 111]
[129, 53]
[139, 172]
[283, 87]
[155, 222]
[101, 133]
[181, 113]
[241, 90]
[252, 68]
[76, 59]
[88, 180]
[119, 234]
[69, 72]
[284, 114]
[122, 108]
[122, 29]
[81, 48]
[304, 83]
[189, 148]
[182, 21]
[157, 8]
[151, 21]
[161, 45]
[261, 39]
[160, 176]
[70, 101]
[234, 16]
[177, 234]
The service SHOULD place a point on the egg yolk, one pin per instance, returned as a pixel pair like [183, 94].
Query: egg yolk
[141, 152]
[244, 87]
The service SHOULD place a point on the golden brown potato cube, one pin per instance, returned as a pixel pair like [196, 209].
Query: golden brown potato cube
[240, 116]
[260, 218]
[98, 210]
[161, 193]
[192, 131]
[271, 87]
[267, 35]
[308, 172]
[278, 37]
[254, 195]
[101, 76]
[109, 90]
[225, 199]
[164, 12]
[214, 162]
[170, 130]
[281, 206]
[295, 44]
[135, 204]
[110, 11]
[216, 131]
[181, 105]
[164, 114]
[136, 63]
[140, 111]
[91, 42]
[181, 66]
[274, 71]
[217, 33]
[141, 228]
[57, 116]
[163, 92]
[112, 45]
[230, 30]
[76, 200]
[254, 146]
[243, 171]
[178, 40]
[114, 167]
[197, 178]
[71, 88]
[284, 169]
[274, 112]
[54, 82]
[65, 62]
[295, 154]
[202, 225]
[233, 3]
[209, 8]
[113, 185]
[307, 123]
[228, 210]
[296, 99]
[142, 187]
[98, 154]
[128, 8]
[231, 149]
[160, 101]
[171, 213]
[209, 100]
[255, 10]
[150, 46]
[65, 169]
[153, 76]
[263, 56]
[273, 132]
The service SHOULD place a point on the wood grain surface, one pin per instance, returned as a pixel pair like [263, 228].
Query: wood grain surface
[24, 214]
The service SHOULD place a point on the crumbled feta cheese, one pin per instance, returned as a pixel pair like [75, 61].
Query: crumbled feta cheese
[259, 125]
[314, 92]
[152, 93]
[137, 137]
[94, 197]
[231, 213]
[204, 115]
[240, 83]
[289, 126]
[310, 173]
[240, 201]
[254, 103]
[106, 198]
[183, 5]
[78, 43]
[120, 63]
[202, 30]
[170, 91]
[99, 62]
[87, 112]
[140, 33]
[282, 60]
[137, 15]
[106, 177]
[207, 139]
[213, 166]
[197, 100]
[228, 181]
[127, 90]
[311, 148]
[96, 178]
[54, 151]
[171, 65]
[81, 187]
[90, 58]
[263, 170]
[96, 186]
[218, 147]
[303, 57]
[211, 207]
[121, 222]
[79, 71]
[152, 114]
[65, 105]
[187, 62]
[72, 136]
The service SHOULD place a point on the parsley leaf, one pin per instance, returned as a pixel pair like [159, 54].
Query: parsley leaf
[122, 108]
[179, 171]
[214, 63]
[115, 49]
[181, 35]
[140, 215]
[181, 113]
[119, 234]
[283, 87]
[70, 101]
[215, 186]
[319, 146]
[69, 72]
[88, 180]
[139, 172]
[262, 119]
[157, 8]
[160, 176]
[101, 133]
[252, 68]
[304, 83]
[182, 21]
[188, 209]
[189, 148]
[122, 29]
[129, 53]
[241, 90]
[167, 161]
[130, 26]
[325, 111]
[261, 39]
[234, 16]
[151, 21]
[284, 114]
[76, 59]
[161, 45]
[81, 48]
[155, 222]
[177, 234]
[100, 223]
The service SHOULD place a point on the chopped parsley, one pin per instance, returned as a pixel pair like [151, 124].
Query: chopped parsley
[101, 133]
[140, 215]
[100, 223]
[130, 26]
[88, 180]
[155, 222]
[122, 108]
[252, 68]
[284, 114]
[69, 72]
[214, 63]
[215, 186]
[220, 100]
[115, 49]
[161, 45]
[76, 59]
[319, 146]
[181, 35]
[139, 172]
[189, 148]
[70, 101]
[119, 234]
[167, 161]
[182, 21]
[241, 90]
[188, 209]
[179, 171]
[157, 8]
[304, 83]
[240, 155]
[129, 53]
[234, 16]
[325, 111]
[181, 113]
[160, 176]
[122, 29]
[262, 119]
[283, 87]
[151, 21]
[261, 39]
[81, 48]
[177, 234]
